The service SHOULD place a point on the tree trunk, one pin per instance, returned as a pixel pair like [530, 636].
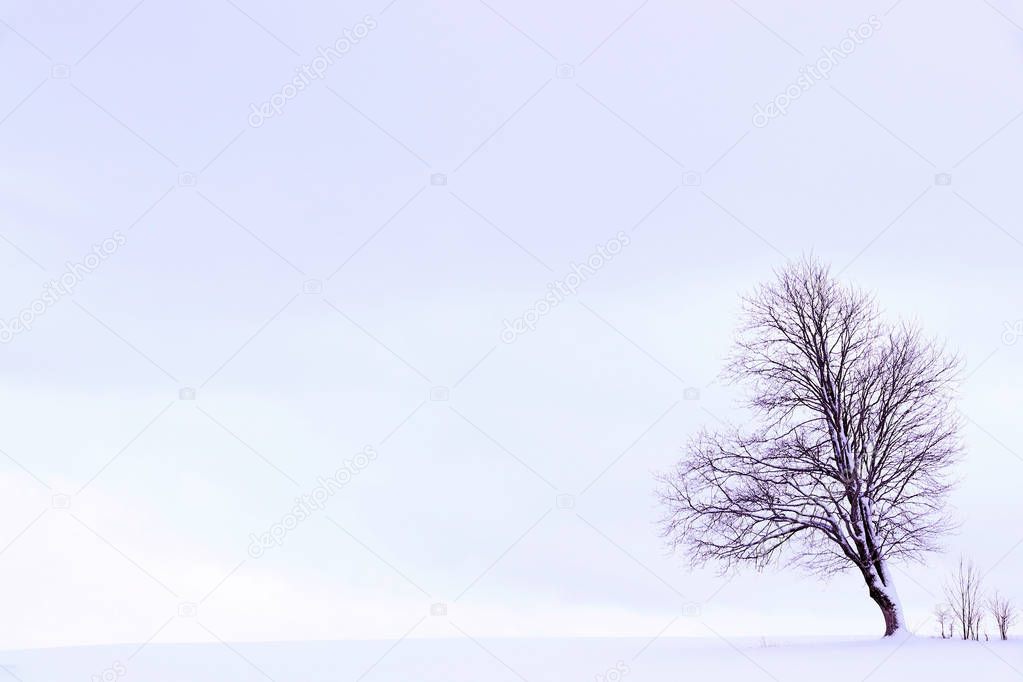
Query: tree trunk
[886, 600]
[892, 617]
[875, 569]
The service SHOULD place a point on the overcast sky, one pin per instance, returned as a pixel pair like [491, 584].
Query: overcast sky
[337, 271]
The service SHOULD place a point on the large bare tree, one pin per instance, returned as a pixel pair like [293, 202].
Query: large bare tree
[845, 462]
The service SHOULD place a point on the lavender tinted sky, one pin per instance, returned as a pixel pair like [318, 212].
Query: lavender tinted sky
[339, 276]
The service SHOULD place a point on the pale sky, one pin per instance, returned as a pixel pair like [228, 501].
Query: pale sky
[339, 277]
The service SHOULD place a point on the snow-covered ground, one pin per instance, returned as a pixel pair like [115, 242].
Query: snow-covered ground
[534, 660]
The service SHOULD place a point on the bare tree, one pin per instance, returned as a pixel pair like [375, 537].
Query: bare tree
[944, 617]
[963, 594]
[845, 464]
[1003, 612]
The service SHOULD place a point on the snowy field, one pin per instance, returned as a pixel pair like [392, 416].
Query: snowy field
[534, 660]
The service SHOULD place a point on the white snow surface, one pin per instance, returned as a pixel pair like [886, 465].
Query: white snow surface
[533, 660]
